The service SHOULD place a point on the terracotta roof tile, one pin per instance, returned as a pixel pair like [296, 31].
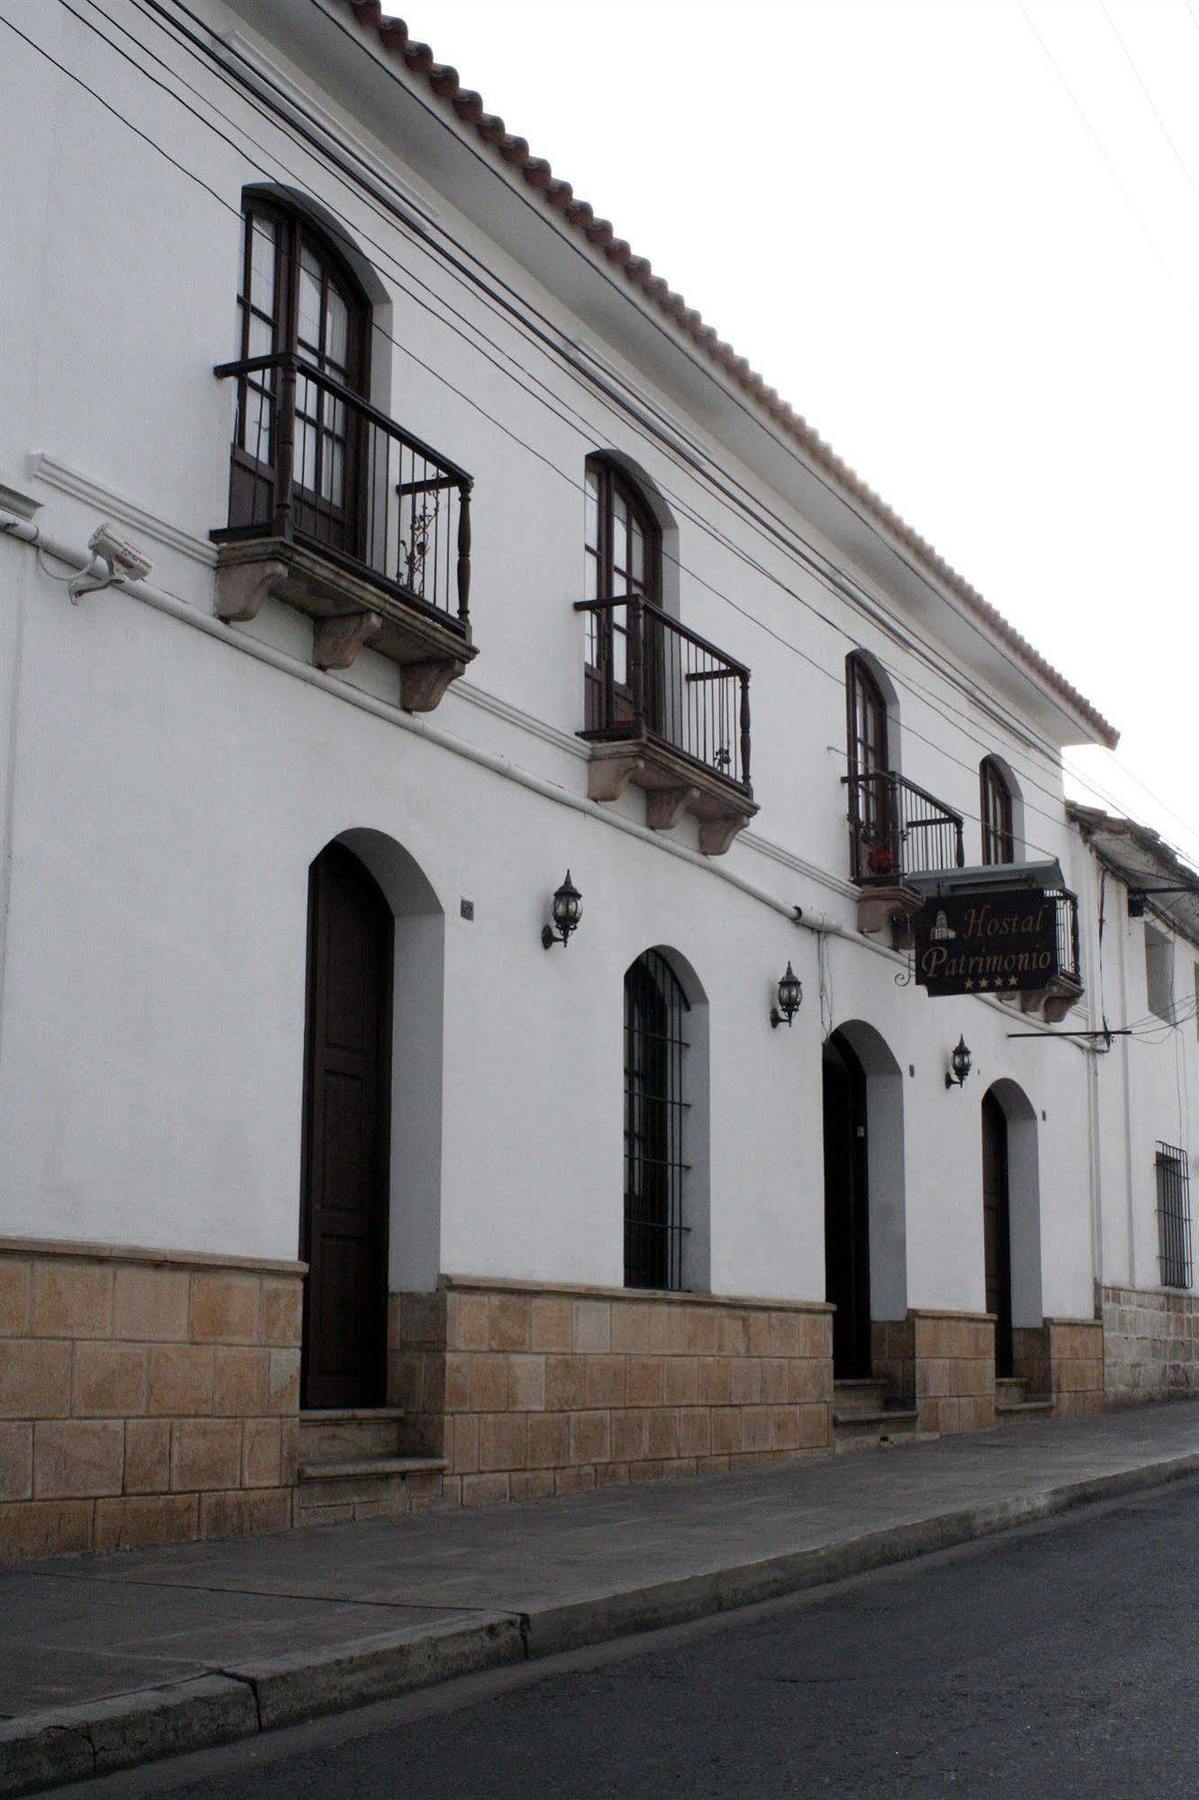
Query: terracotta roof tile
[536, 171]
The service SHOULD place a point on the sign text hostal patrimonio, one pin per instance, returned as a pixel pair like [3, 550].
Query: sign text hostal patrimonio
[1004, 941]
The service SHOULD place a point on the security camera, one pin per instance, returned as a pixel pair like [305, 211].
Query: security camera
[125, 560]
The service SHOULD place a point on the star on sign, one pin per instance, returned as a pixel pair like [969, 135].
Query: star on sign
[969, 981]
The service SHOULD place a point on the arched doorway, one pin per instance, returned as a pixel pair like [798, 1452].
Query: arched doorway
[997, 1231]
[847, 1208]
[347, 1132]
[1012, 1227]
[865, 1230]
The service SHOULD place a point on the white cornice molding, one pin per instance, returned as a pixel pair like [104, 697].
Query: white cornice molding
[810, 871]
[60, 475]
[515, 715]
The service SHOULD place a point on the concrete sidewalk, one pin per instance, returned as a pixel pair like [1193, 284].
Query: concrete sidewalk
[113, 1660]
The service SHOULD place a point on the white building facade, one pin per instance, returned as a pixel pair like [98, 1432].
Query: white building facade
[314, 1155]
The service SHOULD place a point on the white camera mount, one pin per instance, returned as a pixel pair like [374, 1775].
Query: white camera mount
[122, 562]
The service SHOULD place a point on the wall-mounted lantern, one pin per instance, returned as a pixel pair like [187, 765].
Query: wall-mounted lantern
[566, 909]
[790, 994]
[959, 1065]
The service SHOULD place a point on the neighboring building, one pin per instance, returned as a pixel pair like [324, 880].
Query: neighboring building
[1144, 905]
[328, 1187]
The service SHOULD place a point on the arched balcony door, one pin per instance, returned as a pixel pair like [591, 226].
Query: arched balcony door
[624, 561]
[996, 812]
[298, 297]
[868, 752]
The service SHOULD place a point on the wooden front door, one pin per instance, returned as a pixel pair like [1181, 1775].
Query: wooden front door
[346, 1135]
[997, 1231]
[846, 1210]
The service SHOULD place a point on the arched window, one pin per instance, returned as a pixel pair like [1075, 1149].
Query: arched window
[297, 297]
[995, 810]
[624, 560]
[655, 1111]
[875, 844]
[868, 750]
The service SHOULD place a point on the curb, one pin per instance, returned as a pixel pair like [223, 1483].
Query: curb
[47, 1749]
[553, 1629]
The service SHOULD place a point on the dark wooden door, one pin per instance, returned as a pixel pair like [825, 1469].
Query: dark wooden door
[346, 1135]
[997, 1231]
[846, 1210]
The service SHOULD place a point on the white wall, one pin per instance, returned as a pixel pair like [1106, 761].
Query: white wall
[1147, 1086]
[166, 793]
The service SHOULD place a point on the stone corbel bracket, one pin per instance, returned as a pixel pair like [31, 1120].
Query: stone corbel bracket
[888, 909]
[243, 589]
[611, 768]
[337, 641]
[717, 833]
[349, 612]
[664, 807]
[422, 684]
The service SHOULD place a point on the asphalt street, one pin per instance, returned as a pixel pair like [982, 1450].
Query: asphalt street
[1060, 1660]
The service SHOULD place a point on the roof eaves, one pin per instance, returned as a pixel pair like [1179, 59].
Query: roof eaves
[557, 194]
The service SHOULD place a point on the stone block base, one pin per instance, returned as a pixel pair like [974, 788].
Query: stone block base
[1062, 1359]
[1150, 1344]
[943, 1363]
[531, 1390]
[146, 1397]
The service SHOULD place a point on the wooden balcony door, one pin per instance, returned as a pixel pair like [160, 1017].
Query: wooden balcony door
[623, 558]
[871, 809]
[346, 1135]
[298, 297]
[846, 1210]
[997, 1230]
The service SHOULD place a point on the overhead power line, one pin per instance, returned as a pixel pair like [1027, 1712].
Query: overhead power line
[1165, 130]
[556, 403]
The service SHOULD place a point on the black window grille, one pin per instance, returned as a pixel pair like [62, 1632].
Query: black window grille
[1173, 1215]
[655, 1109]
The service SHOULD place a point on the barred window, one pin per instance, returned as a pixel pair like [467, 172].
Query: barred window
[1173, 1215]
[655, 1108]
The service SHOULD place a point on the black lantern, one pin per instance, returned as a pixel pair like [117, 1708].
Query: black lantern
[566, 909]
[790, 993]
[959, 1065]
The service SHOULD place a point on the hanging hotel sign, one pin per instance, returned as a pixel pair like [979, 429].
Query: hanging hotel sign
[1004, 940]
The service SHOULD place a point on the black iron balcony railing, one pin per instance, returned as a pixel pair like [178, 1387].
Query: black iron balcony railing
[648, 676]
[1066, 907]
[896, 829]
[315, 464]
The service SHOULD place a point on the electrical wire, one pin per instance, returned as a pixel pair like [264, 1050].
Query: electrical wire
[836, 676]
[835, 580]
[1128, 57]
[839, 585]
[1018, 726]
[1095, 138]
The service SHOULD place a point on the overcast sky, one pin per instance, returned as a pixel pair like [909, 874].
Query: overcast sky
[962, 238]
